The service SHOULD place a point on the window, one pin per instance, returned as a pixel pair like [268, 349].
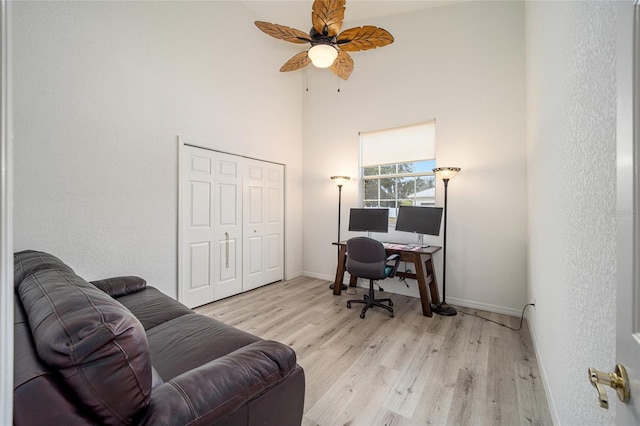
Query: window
[396, 167]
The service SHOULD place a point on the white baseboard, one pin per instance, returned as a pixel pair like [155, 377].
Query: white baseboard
[484, 306]
[543, 373]
[453, 300]
[293, 275]
[319, 276]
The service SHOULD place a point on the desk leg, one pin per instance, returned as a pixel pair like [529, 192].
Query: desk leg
[337, 283]
[422, 286]
[433, 283]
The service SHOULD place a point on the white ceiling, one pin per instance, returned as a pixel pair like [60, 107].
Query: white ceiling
[297, 13]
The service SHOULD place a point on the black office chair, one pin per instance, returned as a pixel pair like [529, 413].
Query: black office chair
[366, 258]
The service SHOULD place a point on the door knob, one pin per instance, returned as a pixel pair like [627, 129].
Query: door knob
[618, 381]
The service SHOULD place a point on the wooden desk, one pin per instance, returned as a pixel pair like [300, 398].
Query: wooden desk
[425, 276]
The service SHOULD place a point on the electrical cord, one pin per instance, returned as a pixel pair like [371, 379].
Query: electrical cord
[499, 323]
[403, 279]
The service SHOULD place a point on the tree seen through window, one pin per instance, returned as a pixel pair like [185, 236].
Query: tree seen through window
[393, 185]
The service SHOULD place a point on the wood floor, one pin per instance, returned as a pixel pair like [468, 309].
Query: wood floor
[407, 370]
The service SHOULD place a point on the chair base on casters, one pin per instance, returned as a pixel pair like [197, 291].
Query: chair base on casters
[370, 301]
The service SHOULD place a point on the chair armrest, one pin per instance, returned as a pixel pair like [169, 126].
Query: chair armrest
[218, 388]
[120, 286]
[395, 258]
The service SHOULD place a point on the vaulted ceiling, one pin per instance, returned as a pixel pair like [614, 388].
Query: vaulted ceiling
[297, 13]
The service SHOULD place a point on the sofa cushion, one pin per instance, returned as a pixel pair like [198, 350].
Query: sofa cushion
[189, 341]
[152, 307]
[96, 345]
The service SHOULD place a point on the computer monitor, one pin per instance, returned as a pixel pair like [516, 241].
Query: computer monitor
[421, 220]
[369, 220]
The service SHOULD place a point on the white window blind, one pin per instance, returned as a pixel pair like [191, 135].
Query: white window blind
[399, 144]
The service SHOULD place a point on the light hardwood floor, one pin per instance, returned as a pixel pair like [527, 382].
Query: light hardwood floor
[407, 370]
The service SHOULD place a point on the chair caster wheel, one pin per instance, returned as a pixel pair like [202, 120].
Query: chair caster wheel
[362, 315]
[390, 303]
[349, 305]
[391, 315]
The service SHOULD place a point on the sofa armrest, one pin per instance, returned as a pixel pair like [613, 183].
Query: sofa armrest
[218, 388]
[120, 286]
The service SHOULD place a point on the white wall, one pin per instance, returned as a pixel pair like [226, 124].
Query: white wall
[463, 65]
[102, 91]
[571, 110]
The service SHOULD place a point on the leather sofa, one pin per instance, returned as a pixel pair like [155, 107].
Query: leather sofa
[117, 351]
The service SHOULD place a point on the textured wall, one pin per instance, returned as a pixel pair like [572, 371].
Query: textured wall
[101, 92]
[571, 118]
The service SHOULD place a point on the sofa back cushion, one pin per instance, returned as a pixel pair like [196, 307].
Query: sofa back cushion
[96, 345]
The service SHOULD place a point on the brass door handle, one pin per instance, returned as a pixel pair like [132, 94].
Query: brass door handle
[618, 381]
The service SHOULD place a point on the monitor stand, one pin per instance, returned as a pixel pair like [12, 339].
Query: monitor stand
[422, 244]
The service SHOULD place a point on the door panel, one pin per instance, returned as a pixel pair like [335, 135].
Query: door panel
[200, 204]
[274, 230]
[628, 196]
[264, 206]
[273, 252]
[199, 266]
[197, 284]
[227, 204]
[255, 205]
[255, 255]
[228, 225]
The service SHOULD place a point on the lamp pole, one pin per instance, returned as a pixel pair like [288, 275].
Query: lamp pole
[339, 208]
[339, 181]
[442, 308]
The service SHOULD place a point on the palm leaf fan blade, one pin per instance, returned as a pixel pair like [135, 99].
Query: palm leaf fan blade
[363, 38]
[298, 61]
[327, 16]
[283, 32]
[343, 65]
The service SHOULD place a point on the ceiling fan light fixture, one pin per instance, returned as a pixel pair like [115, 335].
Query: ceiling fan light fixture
[322, 55]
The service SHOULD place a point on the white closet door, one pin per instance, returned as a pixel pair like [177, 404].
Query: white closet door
[263, 217]
[197, 227]
[212, 226]
[227, 216]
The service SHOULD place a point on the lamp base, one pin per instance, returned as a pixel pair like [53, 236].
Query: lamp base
[444, 309]
[344, 287]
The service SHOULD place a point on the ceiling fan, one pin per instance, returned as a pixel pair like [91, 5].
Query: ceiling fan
[329, 46]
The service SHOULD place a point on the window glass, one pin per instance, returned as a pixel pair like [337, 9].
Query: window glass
[371, 171]
[371, 189]
[388, 188]
[388, 169]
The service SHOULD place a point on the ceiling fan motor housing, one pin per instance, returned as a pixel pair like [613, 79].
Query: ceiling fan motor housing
[317, 38]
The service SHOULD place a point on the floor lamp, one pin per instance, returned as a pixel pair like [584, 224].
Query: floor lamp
[339, 181]
[445, 173]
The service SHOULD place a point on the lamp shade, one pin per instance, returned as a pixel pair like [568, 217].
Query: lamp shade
[446, 172]
[340, 180]
[322, 55]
